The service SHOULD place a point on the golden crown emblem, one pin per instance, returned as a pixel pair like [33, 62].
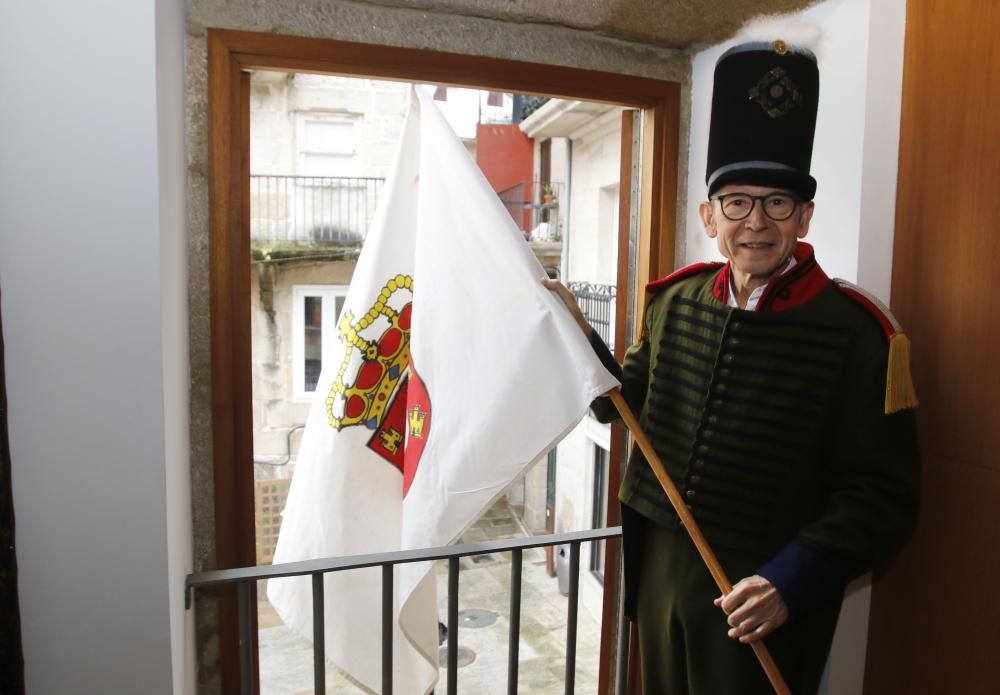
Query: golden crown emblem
[384, 360]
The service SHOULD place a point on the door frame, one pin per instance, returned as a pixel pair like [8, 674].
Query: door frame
[230, 55]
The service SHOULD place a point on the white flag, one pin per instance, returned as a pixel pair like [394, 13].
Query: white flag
[457, 370]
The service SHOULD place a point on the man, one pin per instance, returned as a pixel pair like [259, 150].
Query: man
[779, 402]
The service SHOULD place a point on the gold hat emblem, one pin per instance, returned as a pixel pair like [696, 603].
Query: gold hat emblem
[780, 47]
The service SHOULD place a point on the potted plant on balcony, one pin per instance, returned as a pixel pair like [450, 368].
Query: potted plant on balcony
[548, 195]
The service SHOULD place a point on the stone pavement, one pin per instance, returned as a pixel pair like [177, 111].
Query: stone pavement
[484, 608]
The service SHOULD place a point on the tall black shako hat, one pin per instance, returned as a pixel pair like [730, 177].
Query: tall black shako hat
[763, 118]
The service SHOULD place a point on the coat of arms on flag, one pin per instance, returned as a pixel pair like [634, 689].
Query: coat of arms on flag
[445, 282]
[373, 381]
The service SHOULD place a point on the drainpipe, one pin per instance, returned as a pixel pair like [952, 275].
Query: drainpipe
[564, 261]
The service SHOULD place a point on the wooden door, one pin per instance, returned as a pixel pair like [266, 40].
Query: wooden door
[935, 618]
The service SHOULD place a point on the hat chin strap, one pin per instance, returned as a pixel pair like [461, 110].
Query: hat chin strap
[758, 165]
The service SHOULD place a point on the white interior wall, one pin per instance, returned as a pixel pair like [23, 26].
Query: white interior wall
[174, 336]
[92, 268]
[854, 162]
[838, 149]
[883, 96]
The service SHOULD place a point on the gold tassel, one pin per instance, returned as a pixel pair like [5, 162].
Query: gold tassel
[899, 391]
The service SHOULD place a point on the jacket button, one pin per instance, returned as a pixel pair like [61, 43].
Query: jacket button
[708, 434]
[728, 358]
[695, 479]
[733, 341]
[713, 419]
[735, 326]
[725, 372]
[718, 402]
[720, 388]
[699, 463]
[702, 449]
[690, 494]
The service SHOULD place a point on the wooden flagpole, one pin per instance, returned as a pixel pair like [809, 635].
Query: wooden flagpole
[707, 555]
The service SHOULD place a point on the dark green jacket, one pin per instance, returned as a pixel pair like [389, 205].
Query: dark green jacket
[771, 423]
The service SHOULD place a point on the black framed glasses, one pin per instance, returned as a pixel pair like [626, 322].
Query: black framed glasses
[738, 206]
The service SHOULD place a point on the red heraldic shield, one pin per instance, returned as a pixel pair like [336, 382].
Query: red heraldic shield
[387, 441]
[418, 425]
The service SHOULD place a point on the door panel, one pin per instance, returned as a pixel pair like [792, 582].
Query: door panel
[935, 615]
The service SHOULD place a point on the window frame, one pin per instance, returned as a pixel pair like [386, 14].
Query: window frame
[303, 118]
[328, 328]
[599, 439]
[231, 54]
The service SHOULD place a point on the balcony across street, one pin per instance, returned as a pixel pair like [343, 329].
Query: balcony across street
[312, 210]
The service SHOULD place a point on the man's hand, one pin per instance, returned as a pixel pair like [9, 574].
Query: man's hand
[570, 301]
[755, 609]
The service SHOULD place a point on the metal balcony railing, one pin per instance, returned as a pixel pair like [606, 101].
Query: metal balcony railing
[598, 304]
[243, 577]
[312, 210]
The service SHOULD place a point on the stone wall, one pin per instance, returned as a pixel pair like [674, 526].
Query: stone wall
[277, 97]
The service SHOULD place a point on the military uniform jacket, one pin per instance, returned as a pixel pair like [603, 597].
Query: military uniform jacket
[771, 423]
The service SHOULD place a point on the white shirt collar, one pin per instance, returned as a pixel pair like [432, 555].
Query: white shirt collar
[756, 294]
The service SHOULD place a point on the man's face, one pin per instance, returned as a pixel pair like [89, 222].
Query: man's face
[757, 245]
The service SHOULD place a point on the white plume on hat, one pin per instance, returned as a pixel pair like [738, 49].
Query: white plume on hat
[794, 31]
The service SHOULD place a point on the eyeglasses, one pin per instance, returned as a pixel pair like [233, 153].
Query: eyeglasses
[738, 206]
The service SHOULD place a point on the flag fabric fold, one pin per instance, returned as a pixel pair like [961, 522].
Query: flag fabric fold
[456, 371]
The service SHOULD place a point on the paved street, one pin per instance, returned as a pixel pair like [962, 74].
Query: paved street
[483, 604]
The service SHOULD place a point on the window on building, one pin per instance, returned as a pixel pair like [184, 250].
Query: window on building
[599, 517]
[315, 309]
[328, 144]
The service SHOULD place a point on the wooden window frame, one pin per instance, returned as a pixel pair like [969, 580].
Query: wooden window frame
[231, 54]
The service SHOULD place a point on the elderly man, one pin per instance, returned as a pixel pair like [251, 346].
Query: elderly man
[779, 402]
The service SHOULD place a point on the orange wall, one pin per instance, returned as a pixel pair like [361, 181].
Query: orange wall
[504, 154]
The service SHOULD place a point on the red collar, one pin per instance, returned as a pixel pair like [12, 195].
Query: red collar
[797, 286]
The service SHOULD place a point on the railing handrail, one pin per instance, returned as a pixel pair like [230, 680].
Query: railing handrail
[593, 289]
[348, 562]
[316, 176]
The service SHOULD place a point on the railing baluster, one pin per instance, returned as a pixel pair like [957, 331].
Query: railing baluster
[288, 219]
[349, 194]
[387, 628]
[452, 664]
[243, 607]
[574, 595]
[514, 642]
[319, 635]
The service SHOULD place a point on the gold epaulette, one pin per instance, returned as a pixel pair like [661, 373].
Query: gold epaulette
[899, 391]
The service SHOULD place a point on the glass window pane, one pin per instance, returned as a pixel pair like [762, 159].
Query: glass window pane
[312, 342]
